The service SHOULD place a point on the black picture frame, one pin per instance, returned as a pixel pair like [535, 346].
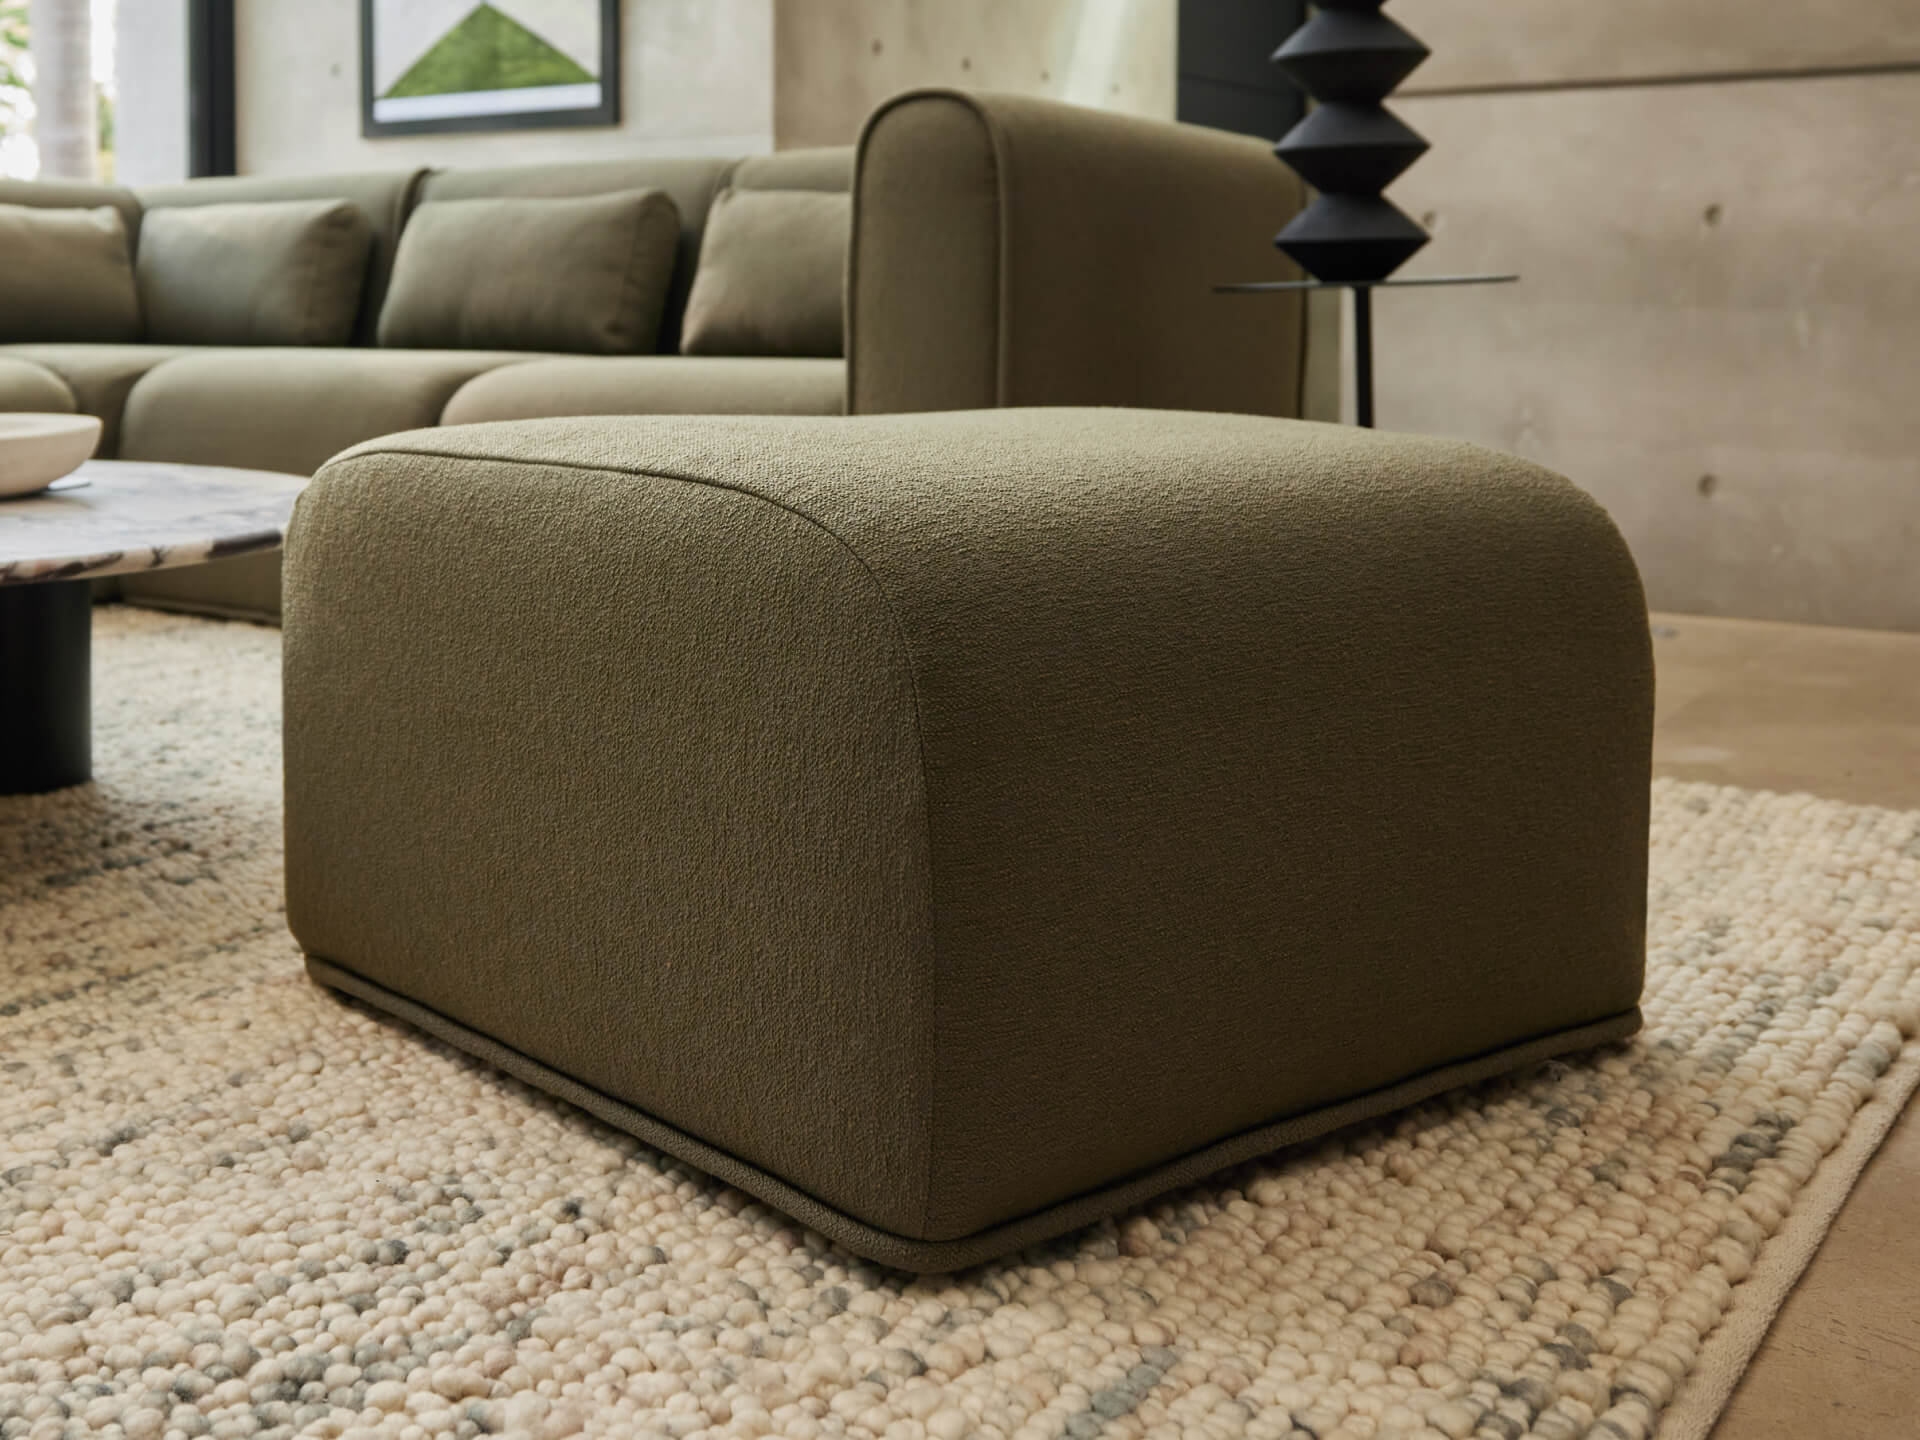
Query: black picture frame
[607, 112]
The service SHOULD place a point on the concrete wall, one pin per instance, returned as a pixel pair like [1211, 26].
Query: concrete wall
[713, 76]
[696, 78]
[1715, 205]
[150, 76]
[835, 60]
[1483, 43]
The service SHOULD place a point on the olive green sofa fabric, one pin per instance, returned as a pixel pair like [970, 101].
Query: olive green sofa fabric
[771, 275]
[585, 274]
[276, 409]
[952, 828]
[101, 377]
[73, 195]
[385, 198]
[689, 182]
[27, 386]
[262, 272]
[289, 409]
[66, 274]
[1017, 252]
[651, 385]
[998, 251]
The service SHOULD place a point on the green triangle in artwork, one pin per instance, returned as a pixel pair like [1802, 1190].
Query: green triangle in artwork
[487, 51]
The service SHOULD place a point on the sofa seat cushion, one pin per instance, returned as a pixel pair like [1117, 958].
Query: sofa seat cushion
[651, 385]
[100, 377]
[271, 408]
[951, 828]
[27, 386]
[276, 409]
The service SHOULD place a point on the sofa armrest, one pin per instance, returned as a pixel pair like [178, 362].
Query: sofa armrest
[1010, 251]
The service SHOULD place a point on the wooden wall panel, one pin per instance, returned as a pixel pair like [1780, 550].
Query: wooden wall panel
[1479, 43]
[1718, 332]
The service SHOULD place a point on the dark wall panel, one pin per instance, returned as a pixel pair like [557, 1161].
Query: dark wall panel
[1225, 78]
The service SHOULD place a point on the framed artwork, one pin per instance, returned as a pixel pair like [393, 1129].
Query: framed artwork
[428, 66]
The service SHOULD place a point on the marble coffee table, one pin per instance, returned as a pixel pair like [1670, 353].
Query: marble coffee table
[131, 515]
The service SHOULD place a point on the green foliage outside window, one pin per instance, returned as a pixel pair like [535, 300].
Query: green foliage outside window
[13, 44]
[16, 98]
[16, 95]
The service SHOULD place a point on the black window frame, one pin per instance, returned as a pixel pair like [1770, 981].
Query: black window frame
[211, 128]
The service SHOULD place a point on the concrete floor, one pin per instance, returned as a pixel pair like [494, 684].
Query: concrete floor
[1836, 713]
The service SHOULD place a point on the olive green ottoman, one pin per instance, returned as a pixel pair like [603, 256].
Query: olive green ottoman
[954, 828]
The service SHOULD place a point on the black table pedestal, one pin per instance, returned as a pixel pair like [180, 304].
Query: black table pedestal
[46, 685]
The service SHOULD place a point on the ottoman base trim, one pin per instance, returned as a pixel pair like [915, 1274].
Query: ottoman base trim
[939, 1256]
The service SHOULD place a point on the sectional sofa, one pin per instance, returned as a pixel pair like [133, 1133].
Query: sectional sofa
[971, 252]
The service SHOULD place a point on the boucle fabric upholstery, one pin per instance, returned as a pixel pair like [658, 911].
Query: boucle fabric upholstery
[952, 828]
[235, 1205]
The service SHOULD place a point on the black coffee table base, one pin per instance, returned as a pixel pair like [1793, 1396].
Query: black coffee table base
[46, 686]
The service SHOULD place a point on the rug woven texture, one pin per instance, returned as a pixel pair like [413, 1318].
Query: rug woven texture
[233, 1204]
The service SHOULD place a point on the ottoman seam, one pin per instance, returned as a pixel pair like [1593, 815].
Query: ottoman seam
[1085, 1207]
[930, 1026]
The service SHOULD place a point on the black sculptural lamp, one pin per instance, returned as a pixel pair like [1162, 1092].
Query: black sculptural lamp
[1348, 58]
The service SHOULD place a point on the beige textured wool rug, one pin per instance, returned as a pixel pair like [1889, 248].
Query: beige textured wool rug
[233, 1204]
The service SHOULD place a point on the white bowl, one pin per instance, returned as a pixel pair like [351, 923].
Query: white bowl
[36, 450]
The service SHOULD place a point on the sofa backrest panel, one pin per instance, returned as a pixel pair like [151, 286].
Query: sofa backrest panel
[824, 169]
[690, 181]
[69, 195]
[385, 196]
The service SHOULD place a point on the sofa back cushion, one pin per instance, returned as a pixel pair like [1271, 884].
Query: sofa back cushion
[772, 275]
[75, 195]
[829, 168]
[279, 272]
[584, 275]
[66, 275]
[690, 182]
[383, 197]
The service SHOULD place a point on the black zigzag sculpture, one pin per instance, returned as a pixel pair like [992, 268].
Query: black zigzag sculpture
[1349, 57]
